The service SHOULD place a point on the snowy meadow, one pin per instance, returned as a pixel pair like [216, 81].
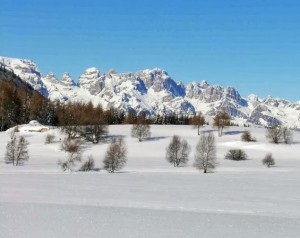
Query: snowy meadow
[149, 197]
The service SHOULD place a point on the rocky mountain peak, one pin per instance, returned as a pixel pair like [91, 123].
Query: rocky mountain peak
[66, 80]
[92, 81]
[203, 84]
[155, 92]
[50, 78]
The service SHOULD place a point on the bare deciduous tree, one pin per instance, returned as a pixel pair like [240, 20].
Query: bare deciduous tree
[70, 162]
[221, 120]
[205, 155]
[141, 129]
[93, 133]
[17, 151]
[72, 147]
[177, 151]
[274, 134]
[115, 157]
[10, 154]
[268, 160]
[287, 135]
[198, 121]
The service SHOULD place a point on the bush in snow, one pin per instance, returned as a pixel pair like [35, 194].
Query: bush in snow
[178, 151]
[49, 138]
[236, 154]
[115, 157]
[71, 145]
[268, 160]
[88, 165]
[70, 162]
[246, 136]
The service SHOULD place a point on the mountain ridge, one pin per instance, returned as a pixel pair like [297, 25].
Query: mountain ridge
[155, 92]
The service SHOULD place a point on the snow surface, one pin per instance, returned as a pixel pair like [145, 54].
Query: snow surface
[149, 197]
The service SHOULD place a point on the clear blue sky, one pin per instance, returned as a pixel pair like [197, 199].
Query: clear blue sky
[253, 45]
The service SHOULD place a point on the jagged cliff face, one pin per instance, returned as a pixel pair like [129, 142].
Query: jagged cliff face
[155, 92]
[92, 81]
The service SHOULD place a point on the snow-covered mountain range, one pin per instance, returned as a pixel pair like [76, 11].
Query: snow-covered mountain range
[155, 92]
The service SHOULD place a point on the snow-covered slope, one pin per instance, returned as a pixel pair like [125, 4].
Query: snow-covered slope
[155, 92]
[149, 197]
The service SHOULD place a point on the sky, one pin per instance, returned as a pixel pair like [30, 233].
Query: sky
[252, 45]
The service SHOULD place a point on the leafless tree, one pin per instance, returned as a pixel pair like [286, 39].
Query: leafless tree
[93, 133]
[221, 120]
[72, 147]
[287, 135]
[178, 151]
[17, 151]
[205, 155]
[274, 134]
[268, 160]
[70, 162]
[198, 121]
[115, 157]
[10, 154]
[141, 129]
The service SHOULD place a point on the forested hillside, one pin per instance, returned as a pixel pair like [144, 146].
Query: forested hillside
[19, 102]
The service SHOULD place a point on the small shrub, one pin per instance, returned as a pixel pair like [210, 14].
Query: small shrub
[236, 154]
[268, 160]
[247, 137]
[88, 165]
[49, 138]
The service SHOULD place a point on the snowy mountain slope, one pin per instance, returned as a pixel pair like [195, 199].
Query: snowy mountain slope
[26, 70]
[155, 92]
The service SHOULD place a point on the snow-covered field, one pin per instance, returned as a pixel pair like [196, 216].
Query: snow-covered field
[149, 197]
